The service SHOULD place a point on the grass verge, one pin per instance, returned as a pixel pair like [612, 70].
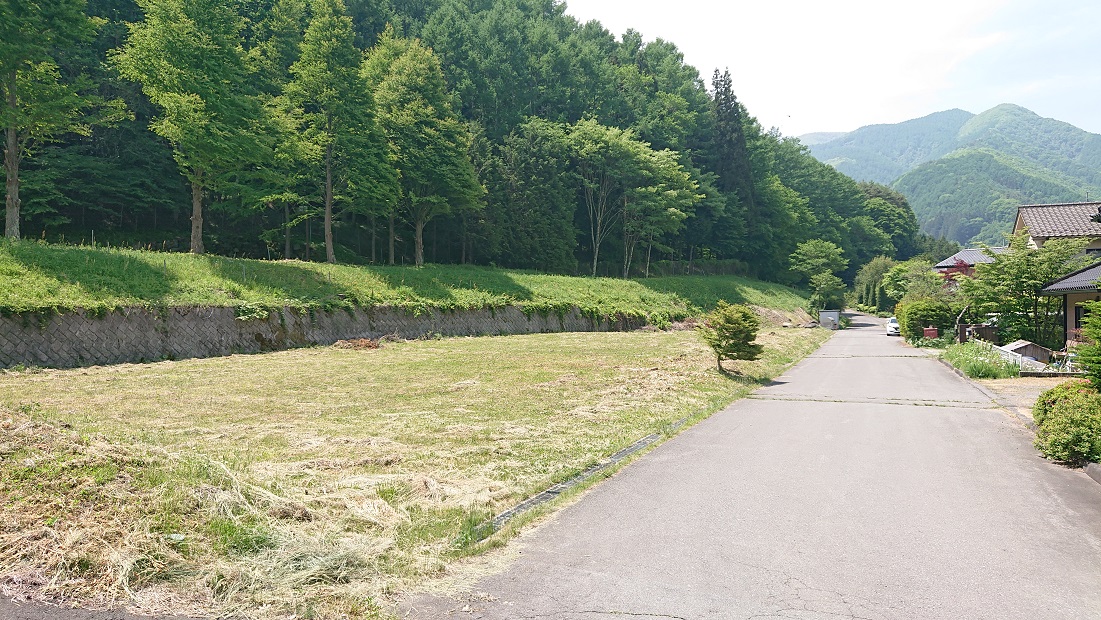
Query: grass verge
[319, 482]
[979, 361]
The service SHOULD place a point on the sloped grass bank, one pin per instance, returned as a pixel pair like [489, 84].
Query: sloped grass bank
[39, 277]
[320, 482]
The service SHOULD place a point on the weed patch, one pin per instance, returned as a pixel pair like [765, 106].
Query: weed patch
[978, 360]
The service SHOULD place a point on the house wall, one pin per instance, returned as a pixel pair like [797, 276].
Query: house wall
[1076, 300]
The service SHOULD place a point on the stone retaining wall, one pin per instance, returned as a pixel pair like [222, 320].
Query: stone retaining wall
[139, 335]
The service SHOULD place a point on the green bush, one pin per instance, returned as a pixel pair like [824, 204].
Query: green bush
[979, 361]
[914, 316]
[1048, 399]
[730, 331]
[1071, 430]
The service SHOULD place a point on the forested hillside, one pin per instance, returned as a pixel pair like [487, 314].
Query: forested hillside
[965, 175]
[404, 131]
[882, 153]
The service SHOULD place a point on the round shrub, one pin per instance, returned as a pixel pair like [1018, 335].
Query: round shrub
[1048, 398]
[1071, 431]
[913, 316]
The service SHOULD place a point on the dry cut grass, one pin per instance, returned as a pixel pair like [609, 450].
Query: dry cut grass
[318, 482]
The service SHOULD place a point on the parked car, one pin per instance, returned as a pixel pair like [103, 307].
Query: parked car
[892, 327]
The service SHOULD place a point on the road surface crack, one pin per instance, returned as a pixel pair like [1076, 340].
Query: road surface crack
[905, 402]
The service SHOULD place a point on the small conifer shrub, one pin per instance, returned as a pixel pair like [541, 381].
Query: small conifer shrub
[730, 330]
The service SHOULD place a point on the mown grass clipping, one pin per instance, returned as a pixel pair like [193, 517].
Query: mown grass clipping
[321, 482]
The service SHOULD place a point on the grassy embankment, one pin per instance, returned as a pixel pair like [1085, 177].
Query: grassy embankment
[37, 277]
[323, 481]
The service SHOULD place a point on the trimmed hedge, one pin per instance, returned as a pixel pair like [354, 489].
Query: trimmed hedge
[914, 316]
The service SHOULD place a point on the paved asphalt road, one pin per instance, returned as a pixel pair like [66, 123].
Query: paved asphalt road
[868, 482]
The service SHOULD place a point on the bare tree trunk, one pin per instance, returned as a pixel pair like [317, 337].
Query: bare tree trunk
[596, 254]
[197, 213]
[418, 241]
[12, 156]
[649, 249]
[392, 232]
[330, 255]
[286, 231]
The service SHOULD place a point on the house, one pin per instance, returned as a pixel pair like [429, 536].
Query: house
[964, 261]
[1061, 221]
[1075, 289]
[1067, 221]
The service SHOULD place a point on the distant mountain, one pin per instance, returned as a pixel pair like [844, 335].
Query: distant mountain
[964, 174]
[882, 153]
[820, 137]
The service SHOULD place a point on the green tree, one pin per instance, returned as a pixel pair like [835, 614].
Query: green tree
[532, 199]
[827, 292]
[893, 215]
[188, 58]
[731, 161]
[1089, 355]
[606, 162]
[868, 285]
[817, 256]
[37, 104]
[429, 144]
[1009, 287]
[730, 331]
[863, 241]
[934, 250]
[913, 279]
[338, 115]
[663, 196]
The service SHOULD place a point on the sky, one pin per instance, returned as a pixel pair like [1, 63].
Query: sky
[808, 66]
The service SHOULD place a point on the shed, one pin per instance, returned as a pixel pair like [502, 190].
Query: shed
[1024, 348]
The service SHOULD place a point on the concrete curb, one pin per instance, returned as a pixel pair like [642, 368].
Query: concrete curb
[1093, 470]
[1029, 423]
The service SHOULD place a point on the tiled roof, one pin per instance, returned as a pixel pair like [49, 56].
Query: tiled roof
[1061, 220]
[1081, 281]
[971, 256]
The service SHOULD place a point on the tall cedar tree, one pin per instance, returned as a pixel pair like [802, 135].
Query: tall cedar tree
[731, 153]
[188, 58]
[429, 144]
[531, 202]
[338, 114]
[36, 104]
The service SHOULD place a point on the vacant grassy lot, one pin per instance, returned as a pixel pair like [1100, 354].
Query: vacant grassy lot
[319, 481]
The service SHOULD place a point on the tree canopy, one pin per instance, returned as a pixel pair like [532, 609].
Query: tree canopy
[498, 132]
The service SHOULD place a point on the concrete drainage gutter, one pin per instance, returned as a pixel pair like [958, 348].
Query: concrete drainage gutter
[557, 489]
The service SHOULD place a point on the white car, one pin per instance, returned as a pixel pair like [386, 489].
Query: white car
[892, 327]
